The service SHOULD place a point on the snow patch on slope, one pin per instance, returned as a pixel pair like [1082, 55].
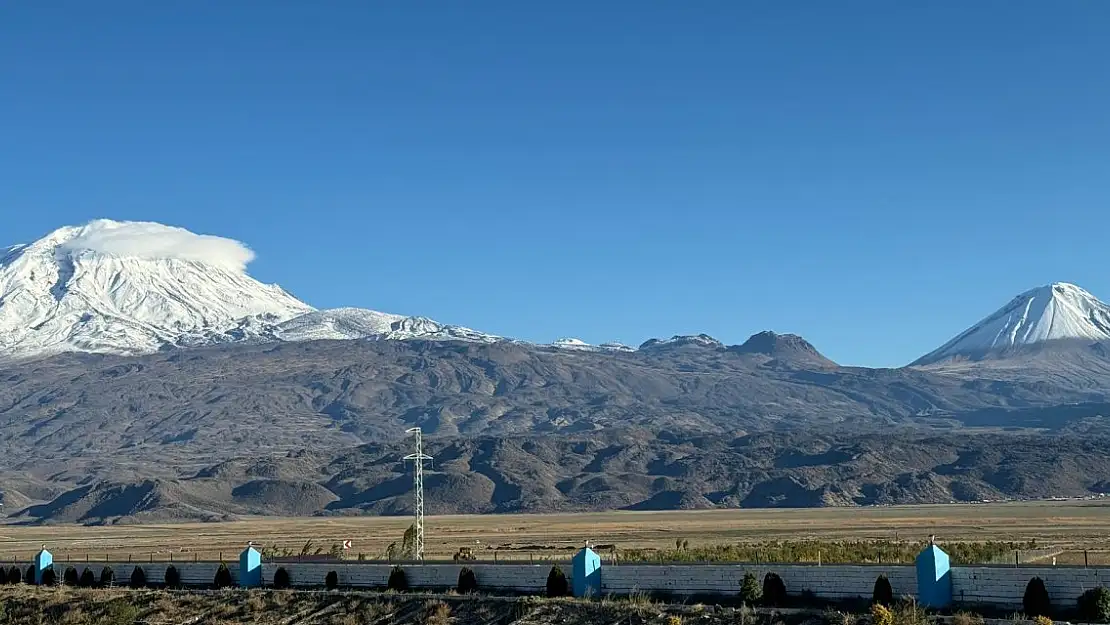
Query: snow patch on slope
[1056, 312]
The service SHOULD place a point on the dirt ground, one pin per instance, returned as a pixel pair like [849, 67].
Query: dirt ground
[1070, 526]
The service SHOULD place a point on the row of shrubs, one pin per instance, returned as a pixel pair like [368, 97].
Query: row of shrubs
[557, 585]
[88, 579]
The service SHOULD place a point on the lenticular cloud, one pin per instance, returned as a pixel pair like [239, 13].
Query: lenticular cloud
[138, 239]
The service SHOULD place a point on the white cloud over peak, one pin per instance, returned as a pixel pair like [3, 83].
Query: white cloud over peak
[144, 239]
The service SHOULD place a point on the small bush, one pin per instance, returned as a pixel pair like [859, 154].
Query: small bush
[172, 578]
[883, 594]
[121, 612]
[88, 578]
[281, 578]
[557, 583]
[1036, 601]
[1042, 620]
[331, 580]
[49, 577]
[107, 577]
[138, 578]
[439, 613]
[674, 620]
[14, 576]
[398, 580]
[29, 575]
[967, 618]
[468, 582]
[1094, 605]
[774, 590]
[750, 592]
[70, 577]
[881, 615]
[908, 612]
[3, 576]
[223, 577]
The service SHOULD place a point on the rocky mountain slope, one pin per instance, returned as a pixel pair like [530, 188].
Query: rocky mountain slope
[144, 375]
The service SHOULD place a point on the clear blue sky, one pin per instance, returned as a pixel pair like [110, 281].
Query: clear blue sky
[874, 176]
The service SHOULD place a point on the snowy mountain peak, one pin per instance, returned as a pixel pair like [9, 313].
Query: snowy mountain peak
[128, 287]
[137, 287]
[1055, 312]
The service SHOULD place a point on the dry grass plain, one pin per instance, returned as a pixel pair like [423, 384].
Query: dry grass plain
[1069, 526]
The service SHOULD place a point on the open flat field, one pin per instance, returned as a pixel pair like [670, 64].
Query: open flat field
[1069, 526]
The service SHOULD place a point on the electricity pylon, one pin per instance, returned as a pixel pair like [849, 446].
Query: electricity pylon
[418, 482]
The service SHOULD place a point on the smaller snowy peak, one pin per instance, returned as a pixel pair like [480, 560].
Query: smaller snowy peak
[1051, 313]
[617, 347]
[360, 323]
[789, 347]
[573, 344]
[685, 340]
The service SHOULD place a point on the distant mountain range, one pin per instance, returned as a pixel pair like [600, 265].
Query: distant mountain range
[147, 376]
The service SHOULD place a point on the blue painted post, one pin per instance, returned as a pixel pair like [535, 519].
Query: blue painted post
[586, 573]
[43, 560]
[250, 568]
[934, 581]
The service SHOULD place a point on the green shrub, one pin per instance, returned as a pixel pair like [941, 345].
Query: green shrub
[331, 580]
[557, 583]
[49, 577]
[88, 578]
[223, 577]
[882, 594]
[774, 590]
[70, 577]
[138, 578]
[29, 575]
[750, 591]
[107, 576]
[14, 576]
[172, 578]
[281, 578]
[468, 582]
[1094, 605]
[1036, 601]
[398, 580]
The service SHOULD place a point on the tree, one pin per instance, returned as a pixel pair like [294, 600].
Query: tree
[557, 583]
[468, 582]
[408, 543]
[173, 577]
[70, 577]
[1036, 601]
[138, 578]
[331, 580]
[29, 575]
[398, 580]
[107, 577]
[750, 591]
[391, 551]
[774, 590]
[14, 576]
[281, 578]
[882, 594]
[49, 577]
[223, 577]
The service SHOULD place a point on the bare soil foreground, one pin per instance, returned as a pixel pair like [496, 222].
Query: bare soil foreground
[68, 606]
[1068, 527]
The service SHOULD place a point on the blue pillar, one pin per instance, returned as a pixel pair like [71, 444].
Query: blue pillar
[586, 571]
[250, 568]
[43, 560]
[934, 581]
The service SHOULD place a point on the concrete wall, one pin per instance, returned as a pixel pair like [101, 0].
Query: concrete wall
[994, 585]
[1005, 586]
[826, 582]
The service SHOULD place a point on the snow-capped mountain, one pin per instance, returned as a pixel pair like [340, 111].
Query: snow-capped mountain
[137, 287]
[1056, 312]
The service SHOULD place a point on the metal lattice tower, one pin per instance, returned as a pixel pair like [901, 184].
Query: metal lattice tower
[418, 482]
